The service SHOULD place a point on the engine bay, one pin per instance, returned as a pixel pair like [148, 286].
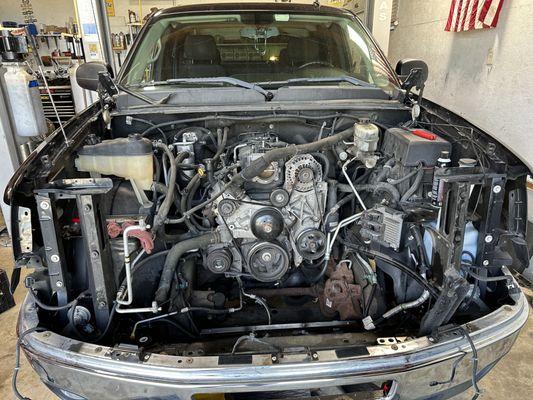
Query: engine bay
[228, 235]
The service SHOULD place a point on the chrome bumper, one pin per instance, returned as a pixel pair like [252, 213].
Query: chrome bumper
[97, 372]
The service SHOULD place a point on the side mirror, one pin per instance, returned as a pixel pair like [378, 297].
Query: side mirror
[413, 73]
[87, 74]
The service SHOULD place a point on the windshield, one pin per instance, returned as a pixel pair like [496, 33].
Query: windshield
[256, 47]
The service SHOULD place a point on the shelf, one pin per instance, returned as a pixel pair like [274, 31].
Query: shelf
[57, 35]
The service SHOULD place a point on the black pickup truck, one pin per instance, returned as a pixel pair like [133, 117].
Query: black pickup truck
[260, 207]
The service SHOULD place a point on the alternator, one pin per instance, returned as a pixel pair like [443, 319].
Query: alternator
[301, 173]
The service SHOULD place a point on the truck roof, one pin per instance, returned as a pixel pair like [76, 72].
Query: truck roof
[239, 7]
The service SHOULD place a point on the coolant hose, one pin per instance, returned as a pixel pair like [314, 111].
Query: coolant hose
[403, 178]
[173, 257]
[386, 170]
[186, 200]
[414, 187]
[161, 216]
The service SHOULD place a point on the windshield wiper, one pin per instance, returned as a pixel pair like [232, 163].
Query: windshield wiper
[214, 81]
[330, 79]
[137, 95]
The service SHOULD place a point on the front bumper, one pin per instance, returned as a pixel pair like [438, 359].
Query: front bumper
[420, 368]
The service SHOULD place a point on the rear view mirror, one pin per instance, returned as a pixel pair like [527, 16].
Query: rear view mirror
[87, 75]
[259, 34]
[413, 73]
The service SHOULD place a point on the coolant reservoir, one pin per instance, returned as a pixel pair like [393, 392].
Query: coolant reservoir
[129, 158]
[24, 101]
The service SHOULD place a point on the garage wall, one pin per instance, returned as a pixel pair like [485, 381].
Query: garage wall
[50, 12]
[118, 23]
[485, 76]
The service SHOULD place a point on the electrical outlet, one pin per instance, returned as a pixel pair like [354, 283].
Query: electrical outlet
[490, 57]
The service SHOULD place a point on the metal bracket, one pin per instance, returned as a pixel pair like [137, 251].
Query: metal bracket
[127, 352]
[25, 230]
[55, 257]
[101, 278]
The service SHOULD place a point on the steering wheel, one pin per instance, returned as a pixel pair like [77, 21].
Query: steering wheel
[307, 64]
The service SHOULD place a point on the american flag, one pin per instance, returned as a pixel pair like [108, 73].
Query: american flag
[473, 14]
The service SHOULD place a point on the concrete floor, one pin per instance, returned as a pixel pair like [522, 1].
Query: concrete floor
[510, 380]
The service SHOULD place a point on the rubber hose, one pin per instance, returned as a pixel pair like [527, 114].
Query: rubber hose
[173, 257]
[161, 188]
[189, 192]
[161, 216]
[325, 162]
[414, 187]
[221, 144]
[403, 178]
[386, 170]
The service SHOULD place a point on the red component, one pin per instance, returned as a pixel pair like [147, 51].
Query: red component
[113, 230]
[144, 237]
[424, 134]
[75, 220]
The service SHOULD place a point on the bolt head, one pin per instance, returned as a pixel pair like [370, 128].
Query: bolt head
[274, 358]
[59, 284]
[95, 254]
[485, 262]
[315, 356]
[87, 207]
[54, 258]
[488, 239]
[102, 304]
[497, 189]
[44, 205]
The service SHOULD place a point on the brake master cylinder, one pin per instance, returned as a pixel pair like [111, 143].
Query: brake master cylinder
[366, 138]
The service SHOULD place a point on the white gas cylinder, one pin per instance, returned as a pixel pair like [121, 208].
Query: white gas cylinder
[24, 101]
